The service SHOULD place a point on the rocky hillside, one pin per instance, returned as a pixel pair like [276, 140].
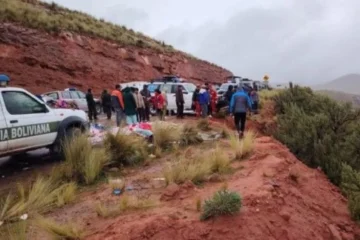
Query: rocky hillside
[45, 47]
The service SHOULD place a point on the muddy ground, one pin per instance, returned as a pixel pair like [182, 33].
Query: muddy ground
[282, 199]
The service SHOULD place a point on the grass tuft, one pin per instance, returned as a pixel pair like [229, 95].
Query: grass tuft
[219, 161]
[126, 150]
[222, 203]
[14, 231]
[242, 147]
[83, 162]
[40, 197]
[165, 135]
[190, 135]
[204, 125]
[59, 231]
[126, 203]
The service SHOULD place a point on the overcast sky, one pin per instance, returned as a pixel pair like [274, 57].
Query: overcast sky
[305, 41]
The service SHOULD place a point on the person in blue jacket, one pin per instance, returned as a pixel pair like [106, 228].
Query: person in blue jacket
[204, 100]
[239, 105]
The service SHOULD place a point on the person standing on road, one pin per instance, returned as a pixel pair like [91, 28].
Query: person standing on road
[147, 98]
[159, 104]
[106, 103]
[179, 98]
[213, 99]
[117, 102]
[255, 100]
[130, 106]
[140, 105]
[229, 93]
[195, 101]
[204, 100]
[239, 105]
[91, 105]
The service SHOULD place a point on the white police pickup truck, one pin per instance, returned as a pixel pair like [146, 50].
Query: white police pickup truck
[27, 123]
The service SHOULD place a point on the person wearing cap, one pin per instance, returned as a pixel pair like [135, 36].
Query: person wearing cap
[91, 105]
[239, 105]
[117, 103]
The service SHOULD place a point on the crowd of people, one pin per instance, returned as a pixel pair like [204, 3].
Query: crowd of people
[133, 106]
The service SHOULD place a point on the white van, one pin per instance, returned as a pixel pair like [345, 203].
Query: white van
[170, 89]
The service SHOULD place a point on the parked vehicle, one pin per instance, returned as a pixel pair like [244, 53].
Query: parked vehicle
[27, 123]
[74, 95]
[170, 88]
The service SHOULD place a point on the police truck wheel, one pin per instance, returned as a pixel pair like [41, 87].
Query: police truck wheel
[57, 148]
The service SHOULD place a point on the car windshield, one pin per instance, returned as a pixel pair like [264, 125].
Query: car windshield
[81, 94]
[152, 87]
[190, 87]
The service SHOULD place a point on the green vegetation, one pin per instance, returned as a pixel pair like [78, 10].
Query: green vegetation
[323, 133]
[51, 17]
[222, 203]
[14, 231]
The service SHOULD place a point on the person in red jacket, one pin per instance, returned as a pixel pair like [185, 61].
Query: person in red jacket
[159, 104]
[213, 99]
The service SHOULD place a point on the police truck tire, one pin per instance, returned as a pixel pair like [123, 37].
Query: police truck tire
[57, 148]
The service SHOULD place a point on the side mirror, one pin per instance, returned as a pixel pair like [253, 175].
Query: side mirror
[185, 92]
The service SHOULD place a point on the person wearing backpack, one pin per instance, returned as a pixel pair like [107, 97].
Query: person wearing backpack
[239, 105]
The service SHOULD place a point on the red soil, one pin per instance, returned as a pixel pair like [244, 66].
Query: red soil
[42, 62]
[282, 199]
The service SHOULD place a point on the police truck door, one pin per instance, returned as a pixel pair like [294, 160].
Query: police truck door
[30, 122]
[4, 135]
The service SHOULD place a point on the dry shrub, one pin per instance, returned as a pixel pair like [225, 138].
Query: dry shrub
[244, 146]
[204, 125]
[196, 168]
[67, 231]
[190, 135]
[184, 169]
[126, 203]
[126, 150]
[40, 197]
[219, 161]
[117, 183]
[225, 132]
[83, 162]
[14, 231]
[165, 135]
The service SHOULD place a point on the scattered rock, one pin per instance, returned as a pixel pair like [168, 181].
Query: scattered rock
[170, 192]
[215, 178]
[114, 169]
[335, 234]
[285, 215]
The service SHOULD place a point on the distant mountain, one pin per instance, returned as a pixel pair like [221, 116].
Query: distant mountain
[343, 97]
[348, 84]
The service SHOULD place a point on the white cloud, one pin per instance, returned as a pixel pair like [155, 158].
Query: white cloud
[303, 41]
